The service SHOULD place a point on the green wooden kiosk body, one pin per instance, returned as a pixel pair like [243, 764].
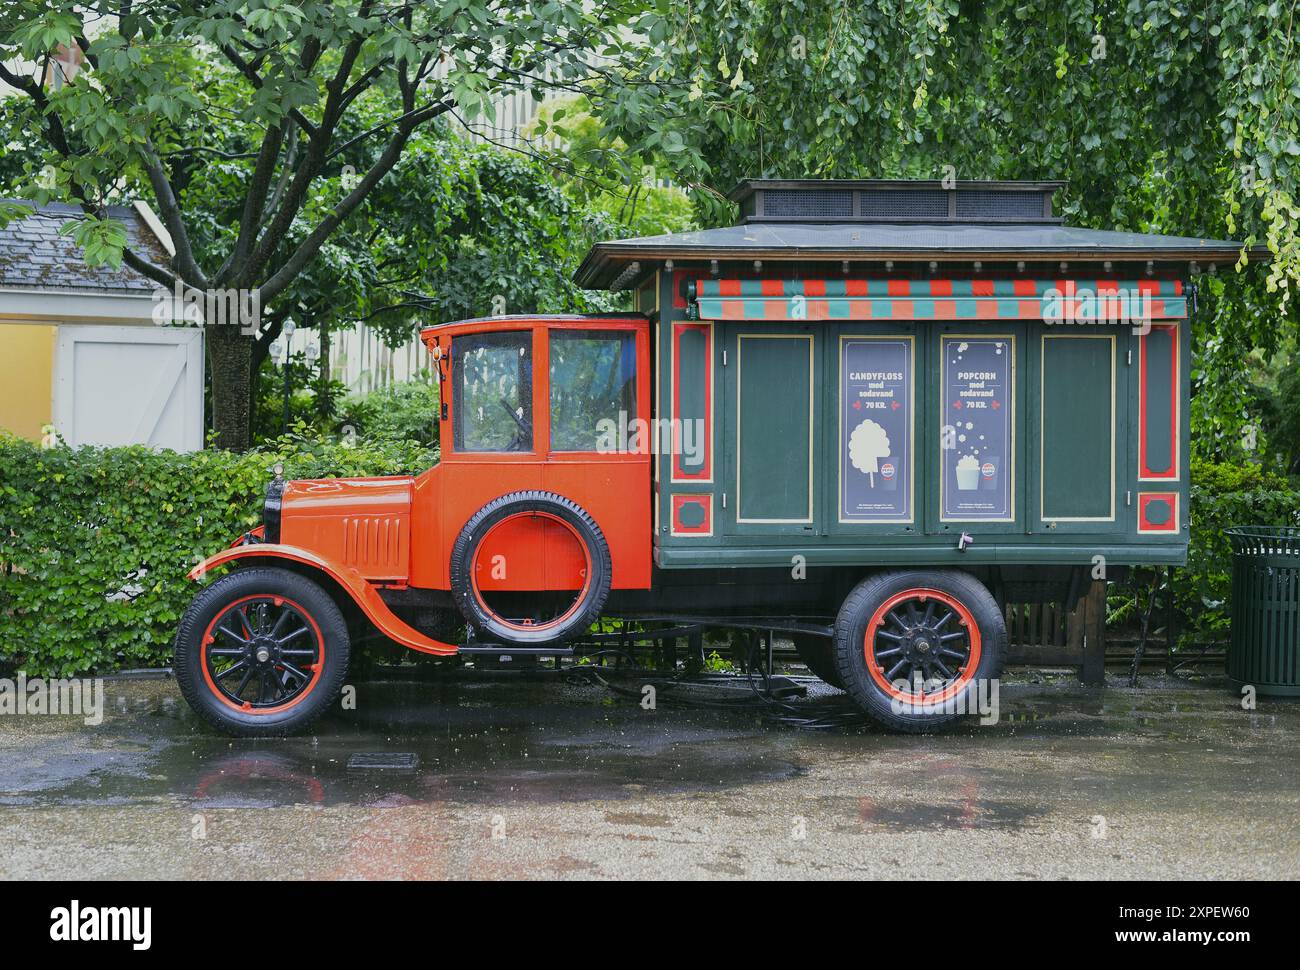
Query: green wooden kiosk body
[917, 374]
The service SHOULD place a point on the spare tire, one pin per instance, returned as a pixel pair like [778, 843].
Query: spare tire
[571, 619]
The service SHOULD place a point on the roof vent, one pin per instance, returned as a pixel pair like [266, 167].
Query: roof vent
[885, 200]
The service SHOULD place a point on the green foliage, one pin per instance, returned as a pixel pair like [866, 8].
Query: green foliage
[260, 131]
[716, 663]
[1222, 496]
[167, 82]
[1176, 118]
[599, 172]
[95, 543]
[402, 411]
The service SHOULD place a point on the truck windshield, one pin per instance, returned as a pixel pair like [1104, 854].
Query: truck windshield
[493, 406]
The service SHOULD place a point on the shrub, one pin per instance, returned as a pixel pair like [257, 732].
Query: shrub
[1224, 495]
[95, 543]
[403, 411]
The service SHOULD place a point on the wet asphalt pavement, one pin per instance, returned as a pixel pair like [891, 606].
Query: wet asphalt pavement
[511, 776]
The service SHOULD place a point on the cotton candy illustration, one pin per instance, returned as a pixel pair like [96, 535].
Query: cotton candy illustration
[867, 445]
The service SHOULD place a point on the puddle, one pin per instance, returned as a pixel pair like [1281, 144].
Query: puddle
[539, 740]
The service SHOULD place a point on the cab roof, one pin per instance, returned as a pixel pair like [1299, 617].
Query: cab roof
[504, 321]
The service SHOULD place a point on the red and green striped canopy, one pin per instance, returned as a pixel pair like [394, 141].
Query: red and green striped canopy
[1075, 301]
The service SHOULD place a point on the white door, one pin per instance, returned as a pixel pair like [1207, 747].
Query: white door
[130, 385]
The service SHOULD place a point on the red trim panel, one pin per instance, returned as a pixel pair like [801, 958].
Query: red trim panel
[1145, 370]
[692, 515]
[1157, 512]
[705, 473]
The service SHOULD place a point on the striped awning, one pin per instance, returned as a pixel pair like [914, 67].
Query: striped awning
[1073, 301]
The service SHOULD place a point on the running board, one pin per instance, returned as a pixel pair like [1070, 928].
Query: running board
[509, 650]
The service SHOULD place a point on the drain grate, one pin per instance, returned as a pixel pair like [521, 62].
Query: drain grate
[384, 761]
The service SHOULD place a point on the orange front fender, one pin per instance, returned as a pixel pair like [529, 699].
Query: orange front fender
[362, 593]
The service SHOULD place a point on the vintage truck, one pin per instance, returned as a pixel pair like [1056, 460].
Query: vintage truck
[866, 415]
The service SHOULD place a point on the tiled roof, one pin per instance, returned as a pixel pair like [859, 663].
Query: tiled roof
[34, 254]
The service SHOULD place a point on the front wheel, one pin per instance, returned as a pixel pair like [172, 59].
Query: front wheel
[262, 652]
[918, 649]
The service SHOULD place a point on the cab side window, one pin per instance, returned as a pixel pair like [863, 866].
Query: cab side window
[593, 380]
[493, 403]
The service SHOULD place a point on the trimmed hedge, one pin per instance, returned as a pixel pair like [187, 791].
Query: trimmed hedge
[95, 543]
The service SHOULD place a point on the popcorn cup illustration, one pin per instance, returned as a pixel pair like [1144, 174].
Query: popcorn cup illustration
[968, 473]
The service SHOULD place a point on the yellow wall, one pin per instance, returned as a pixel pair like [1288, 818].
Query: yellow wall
[26, 377]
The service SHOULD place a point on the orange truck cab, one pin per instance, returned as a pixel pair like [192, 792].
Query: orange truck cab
[866, 416]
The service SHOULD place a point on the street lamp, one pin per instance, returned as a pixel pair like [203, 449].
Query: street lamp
[286, 334]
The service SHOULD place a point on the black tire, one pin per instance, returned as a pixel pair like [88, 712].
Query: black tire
[818, 655]
[579, 617]
[326, 632]
[896, 711]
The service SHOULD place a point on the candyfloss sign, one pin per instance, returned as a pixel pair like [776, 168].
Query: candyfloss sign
[876, 429]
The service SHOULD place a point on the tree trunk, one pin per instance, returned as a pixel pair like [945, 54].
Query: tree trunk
[325, 407]
[230, 357]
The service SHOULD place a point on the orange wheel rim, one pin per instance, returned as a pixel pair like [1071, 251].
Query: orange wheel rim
[923, 631]
[232, 648]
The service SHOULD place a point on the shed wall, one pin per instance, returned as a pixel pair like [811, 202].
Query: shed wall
[1090, 461]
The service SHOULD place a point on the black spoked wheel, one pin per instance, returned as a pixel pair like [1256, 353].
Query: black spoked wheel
[262, 652]
[914, 647]
[924, 641]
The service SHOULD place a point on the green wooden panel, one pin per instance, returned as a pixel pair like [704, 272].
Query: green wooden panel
[1159, 363]
[1078, 427]
[692, 368]
[774, 378]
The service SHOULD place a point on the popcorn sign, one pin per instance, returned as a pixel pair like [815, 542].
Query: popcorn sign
[978, 404]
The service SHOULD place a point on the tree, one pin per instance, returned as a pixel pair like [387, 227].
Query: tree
[152, 111]
[1166, 117]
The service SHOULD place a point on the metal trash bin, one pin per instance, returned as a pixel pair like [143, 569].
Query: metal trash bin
[1264, 650]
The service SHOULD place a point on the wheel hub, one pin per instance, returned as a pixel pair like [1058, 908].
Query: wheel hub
[262, 650]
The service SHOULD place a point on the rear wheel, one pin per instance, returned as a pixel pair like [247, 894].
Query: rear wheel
[913, 647]
[262, 652]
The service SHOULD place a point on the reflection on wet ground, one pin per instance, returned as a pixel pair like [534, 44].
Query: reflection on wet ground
[514, 775]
